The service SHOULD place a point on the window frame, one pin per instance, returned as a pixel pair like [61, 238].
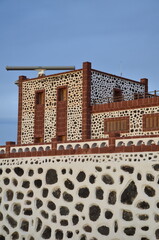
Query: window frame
[118, 121]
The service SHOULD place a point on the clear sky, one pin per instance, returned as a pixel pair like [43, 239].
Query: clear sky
[115, 35]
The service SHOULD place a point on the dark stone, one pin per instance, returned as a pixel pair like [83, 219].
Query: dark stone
[64, 222]
[0, 189]
[20, 195]
[143, 205]
[69, 184]
[99, 193]
[51, 176]
[127, 215]
[1, 216]
[75, 219]
[130, 231]
[107, 179]
[15, 182]
[6, 181]
[129, 194]
[1, 171]
[31, 173]
[51, 205]
[28, 211]
[69, 234]
[149, 191]
[45, 192]
[31, 238]
[108, 214]
[144, 238]
[39, 225]
[67, 197]
[25, 225]
[157, 205]
[47, 233]
[6, 229]
[39, 203]
[28, 202]
[8, 170]
[44, 214]
[115, 226]
[30, 193]
[156, 218]
[71, 171]
[79, 207]
[139, 177]
[143, 217]
[2, 237]
[54, 220]
[145, 228]
[63, 171]
[38, 183]
[121, 179]
[81, 176]
[40, 170]
[26, 184]
[92, 179]
[112, 198]
[94, 212]
[57, 193]
[149, 177]
[64, 211]
[83, 192]
[6, 206]
[14, 236]
[99, 169]
[127, 169]
[17, 208]
[12, 222]
[103, 230]
[157, 234]
[156, 167]
[87, 228]
[59, 234]
[9, 195]
[19, 171]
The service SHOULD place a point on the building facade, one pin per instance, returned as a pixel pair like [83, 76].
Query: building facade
[86, 162]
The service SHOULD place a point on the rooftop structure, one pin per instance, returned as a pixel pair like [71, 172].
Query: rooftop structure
[86, 161]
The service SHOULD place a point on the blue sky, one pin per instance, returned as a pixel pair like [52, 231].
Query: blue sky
[116, 36]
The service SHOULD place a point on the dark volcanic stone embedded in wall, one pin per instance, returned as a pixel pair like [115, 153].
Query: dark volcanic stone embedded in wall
[56, 193]
[149, 191]
[39, 203]
[31, 173]
[17, 208]
[87, 228]
[30, 193]
[9, 195]
[157, 234]
[81, 176]
[108, 214]
[20, 195]
[19, 171]
[143, 205]
[94, 212]
[6, 206]
[14, 236]
[15, 182]
[99, 169]
[46, 233]
[12, 222]
[39, 224]
[99, 193]
[6, 229]
[45, 192]
[115, 226]
[156, 167]
[64, 222]
[121, 179]
[79, 207]
[67, 197]
[38, 183]
[112, 198]
[127, 169]
[92, 179]
[75, 219]
[107, 179]
[149, 177]
[25, 225]
[64, 211]
[156, 218]
[83, 192]
[58, 234]
[44, 214]
[69, 184]
[51, 176]
[51, 205]
[2, 237]
[26, 184]
[6, 181]
[129, 194]
[54, 219]
[130, 231]
[69, 234]
[1, 216]
[127, 215]
[103, 230]
[145, 228]
[139, 177]
[28, 211]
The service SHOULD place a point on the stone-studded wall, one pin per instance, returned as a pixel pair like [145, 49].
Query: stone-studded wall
[102, 85]
[86, 197]
[135, 121]
[74, 108]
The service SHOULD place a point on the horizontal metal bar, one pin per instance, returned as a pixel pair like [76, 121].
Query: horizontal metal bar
[8, 68]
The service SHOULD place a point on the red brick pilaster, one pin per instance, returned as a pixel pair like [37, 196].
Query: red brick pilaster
[20, 83]
[86, 108]
[145, 82]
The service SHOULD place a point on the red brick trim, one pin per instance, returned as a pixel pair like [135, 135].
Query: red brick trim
[125, 105]
[108, 120]
[144, 117]
[20, 98]
[86, 116]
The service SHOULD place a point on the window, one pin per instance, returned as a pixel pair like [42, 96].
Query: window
[117, 95]
[150, 122]
[116, 125]
[40, 97]
[38, 140]
[61, 138]
[62, 94]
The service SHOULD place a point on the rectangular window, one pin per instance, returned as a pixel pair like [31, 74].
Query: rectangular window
[116, 125]
[40, 97]
[62, 94]
[61, 138]
[151, 122]
[38, 140]
[117, 95]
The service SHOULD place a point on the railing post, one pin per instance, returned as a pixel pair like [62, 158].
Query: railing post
[8, 146]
